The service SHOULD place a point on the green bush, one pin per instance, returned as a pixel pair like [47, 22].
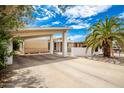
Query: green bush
[16, 43]
[2, 65]
[4, 40]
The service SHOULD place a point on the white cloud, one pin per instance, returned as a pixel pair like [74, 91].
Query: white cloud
[44, 13]
[80, 26]
[41, 19]
[85, 11]
[56, 22]
[48, 13]
[57, 10]
[73, 20]
[121, 15]
[76, 37]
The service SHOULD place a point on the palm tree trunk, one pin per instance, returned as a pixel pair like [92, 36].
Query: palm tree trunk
[106, 50]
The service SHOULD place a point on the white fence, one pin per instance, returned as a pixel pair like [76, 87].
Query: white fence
[80, 51]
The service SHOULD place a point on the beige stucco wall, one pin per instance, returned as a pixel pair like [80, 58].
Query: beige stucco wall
[35, 45]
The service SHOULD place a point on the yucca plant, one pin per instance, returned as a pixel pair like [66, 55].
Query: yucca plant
[103, 33]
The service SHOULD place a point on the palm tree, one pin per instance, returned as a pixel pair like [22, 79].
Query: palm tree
[104, 33]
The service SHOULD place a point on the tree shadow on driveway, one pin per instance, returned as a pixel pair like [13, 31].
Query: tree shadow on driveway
[37, 60]
[12, 79]
[15, 76]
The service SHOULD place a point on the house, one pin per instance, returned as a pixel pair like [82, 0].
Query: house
[42, 45]
[28, 33]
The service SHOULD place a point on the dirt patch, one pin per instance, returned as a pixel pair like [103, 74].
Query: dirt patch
[113, 60]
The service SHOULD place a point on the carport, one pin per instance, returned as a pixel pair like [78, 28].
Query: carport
[40, 32]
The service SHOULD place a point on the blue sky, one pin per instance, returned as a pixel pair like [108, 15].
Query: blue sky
[80, 18]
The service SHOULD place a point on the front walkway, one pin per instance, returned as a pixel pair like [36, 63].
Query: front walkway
[56, 71]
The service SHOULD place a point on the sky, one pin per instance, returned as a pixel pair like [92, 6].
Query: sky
[79, 18]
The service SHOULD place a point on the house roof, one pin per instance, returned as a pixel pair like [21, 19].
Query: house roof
[44, 28]
[39, 31]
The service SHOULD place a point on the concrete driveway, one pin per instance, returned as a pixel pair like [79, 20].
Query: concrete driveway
[56, 71]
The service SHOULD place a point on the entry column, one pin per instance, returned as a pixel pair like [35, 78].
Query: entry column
[51, 44]
[64, 48]
[21, 48]
[59, 46]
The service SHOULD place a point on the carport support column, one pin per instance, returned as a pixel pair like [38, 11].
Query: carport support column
[21, 49]
[59, 46]
[9, 60]
[51, 44]
[64, 48]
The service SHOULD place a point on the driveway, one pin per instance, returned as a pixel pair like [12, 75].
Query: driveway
[56, 71]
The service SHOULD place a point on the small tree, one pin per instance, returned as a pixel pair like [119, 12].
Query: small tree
[11, 18]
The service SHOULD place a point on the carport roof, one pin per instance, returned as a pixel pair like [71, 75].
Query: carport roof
[45, 28]
[39, 31]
